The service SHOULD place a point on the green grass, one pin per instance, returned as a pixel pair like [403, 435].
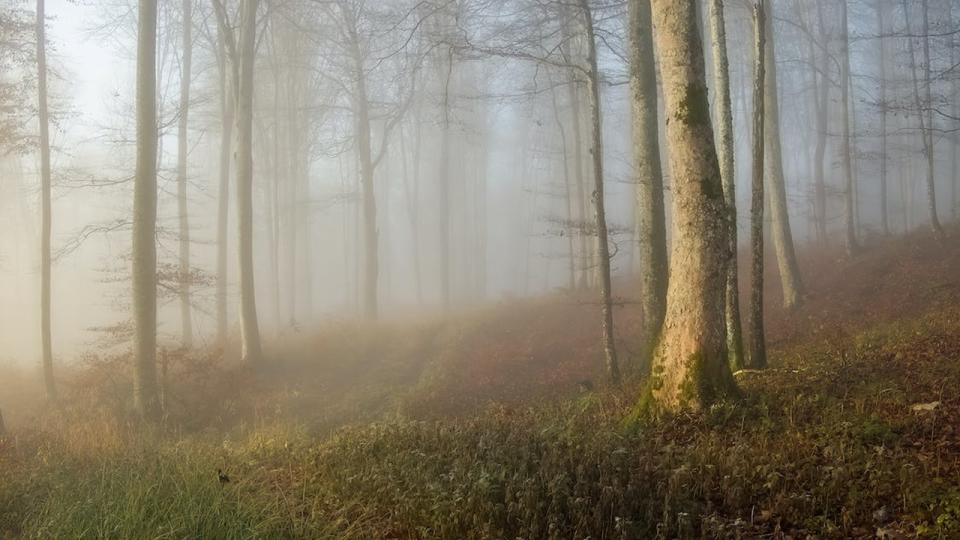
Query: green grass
[825, 444]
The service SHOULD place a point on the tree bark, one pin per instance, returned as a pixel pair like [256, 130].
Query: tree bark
[823, 106]
[186, 331]
[567, 192]
[45, 206]
[758, 348]
[725, 155]
[600, 217]
[690, 367]
[851, 230]
[223, 185]
[881, 28]
[648, 176]
[145, 218]
[444, 180]
[930, 144]
[246, 44]
[779, 214]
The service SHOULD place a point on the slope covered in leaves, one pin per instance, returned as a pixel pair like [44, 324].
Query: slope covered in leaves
[475, 429]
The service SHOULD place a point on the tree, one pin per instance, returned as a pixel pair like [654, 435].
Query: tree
[851, 231]
[246, 48]
[241, 51]
[924, 107]
[600, 217]
[884, 223]
[184, 219]
[223, 184]
[690, 367]
[146, 396]
[648, 174]
[45, 208]
[758, 348]
[779, 212]
[725, 156]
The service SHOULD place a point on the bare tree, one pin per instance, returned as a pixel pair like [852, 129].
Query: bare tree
[725, 153]
[790, 280]
[146, 394]
[241, 49]
[182, 212]
[846, 151]
[649, 174]
[600, 216]
[758, 349]
[45, 209]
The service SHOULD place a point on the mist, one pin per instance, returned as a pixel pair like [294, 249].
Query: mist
[225, 219]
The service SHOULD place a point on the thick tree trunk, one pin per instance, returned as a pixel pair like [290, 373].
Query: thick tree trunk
[725, 154]
[249, 324]
[758, 347]
[690, 368]
[779, 214]
[648, 175]
[146, 397]
[186, 329]
[45, 207]
[600, 217]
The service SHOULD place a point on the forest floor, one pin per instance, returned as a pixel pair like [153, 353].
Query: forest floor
[475, 427]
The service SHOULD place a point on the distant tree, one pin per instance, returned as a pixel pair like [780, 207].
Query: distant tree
[846, 151]
[690, 368]
[779, 210]
[45, 208]
[241, 51]
[146, 394]
[182, 211]
[924, 106]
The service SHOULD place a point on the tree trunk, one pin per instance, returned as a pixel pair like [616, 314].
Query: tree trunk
[779, 215]
[412, 193]
[884, 222]
[249, 325]
[145, 217]
[690, 367]
[567, 192]
[186, 322]
[930, 144]
[648, 176]
[223, 187]
[725, 153]
[444, 180]
[851, 231]
[603, 250]
[926, 129]
[758, 347]
[45, 206]
[823, 107]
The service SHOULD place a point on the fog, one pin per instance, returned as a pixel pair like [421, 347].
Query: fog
[479, 268]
